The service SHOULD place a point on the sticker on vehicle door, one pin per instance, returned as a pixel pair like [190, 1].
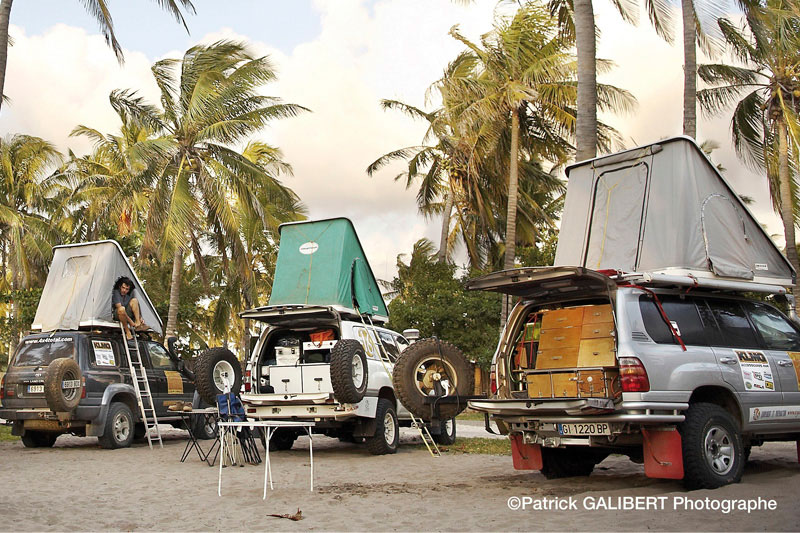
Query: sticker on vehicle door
[756, 372]
[787, 412]
[795, 357]
[174, 382]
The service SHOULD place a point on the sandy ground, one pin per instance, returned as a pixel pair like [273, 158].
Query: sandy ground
[77, 486]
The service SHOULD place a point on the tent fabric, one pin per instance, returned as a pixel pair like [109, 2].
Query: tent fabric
[661, 208]
[78, 288]
[322, 263]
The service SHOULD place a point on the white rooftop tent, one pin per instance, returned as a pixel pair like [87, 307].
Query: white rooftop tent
[664, 209]
[77, 292]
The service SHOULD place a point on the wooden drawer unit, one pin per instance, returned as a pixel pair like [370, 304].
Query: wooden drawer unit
[598, 330]
[557, 358]
[560, 318]
[597, 352]
[565, 384]
[539, 386]
[593, 314]
[559, 338]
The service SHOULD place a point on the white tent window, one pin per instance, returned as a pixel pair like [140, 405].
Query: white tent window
[77, 266]
[727, 248]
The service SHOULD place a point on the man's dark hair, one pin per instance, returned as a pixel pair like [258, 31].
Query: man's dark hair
[127, 281]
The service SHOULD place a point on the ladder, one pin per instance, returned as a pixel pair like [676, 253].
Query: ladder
[142, 387]
[416, 423]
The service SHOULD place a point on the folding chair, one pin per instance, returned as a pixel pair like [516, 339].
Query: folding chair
[241, 447]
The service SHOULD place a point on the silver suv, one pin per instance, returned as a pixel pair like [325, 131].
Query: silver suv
[317, 363]
[686, 381]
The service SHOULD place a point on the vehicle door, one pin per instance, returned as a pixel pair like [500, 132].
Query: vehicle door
[167, 384]
[106, 364]
[782, 341]
[745, 365]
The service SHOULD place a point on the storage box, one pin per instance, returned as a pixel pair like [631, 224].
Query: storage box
[286, 379]
[587, 383]
[317, 378]
[560, 318]
[287, 355]
[557, 358]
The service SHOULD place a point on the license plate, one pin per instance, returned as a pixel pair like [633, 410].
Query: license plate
[594, 428]
[71, 384]
[34, 389]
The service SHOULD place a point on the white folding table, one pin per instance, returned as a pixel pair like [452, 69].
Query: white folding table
[270, 426]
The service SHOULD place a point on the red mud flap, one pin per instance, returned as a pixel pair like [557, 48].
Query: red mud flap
[526, 456]
[663, 456]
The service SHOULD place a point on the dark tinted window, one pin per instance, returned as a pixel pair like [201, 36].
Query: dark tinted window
[776, 331]
[682, 313]
[41, 351]
[159, 358]
[388, 344]
[735, 330]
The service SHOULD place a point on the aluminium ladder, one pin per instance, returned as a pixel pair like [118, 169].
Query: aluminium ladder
[416, 423]
[142, 387]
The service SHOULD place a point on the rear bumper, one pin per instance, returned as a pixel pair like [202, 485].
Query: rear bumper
[296, 411]
[583, 410]
[259, 400]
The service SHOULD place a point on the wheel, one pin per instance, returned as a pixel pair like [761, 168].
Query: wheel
[39, 439]
[62, 385]
[216, 368]
[119, 427]
[348, 371]
[747, 451]
[139, 431]
[431, 367]
[570, 462]
[282, 439]
[713, 451]
[447, 432]
[387, 431]
[204, 428]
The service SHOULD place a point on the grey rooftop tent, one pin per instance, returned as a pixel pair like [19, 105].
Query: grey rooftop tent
[664, 209]
[323, 263]
[77, 292]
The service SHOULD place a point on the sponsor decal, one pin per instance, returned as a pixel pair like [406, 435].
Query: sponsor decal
[103, 353]
[174, 382]
[787, 412]
[309, 248]
[795, 357]
[46, 340]
[755, 369]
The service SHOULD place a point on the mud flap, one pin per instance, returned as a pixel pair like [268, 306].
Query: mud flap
[798, 451]
[526, 456]
[663, 457]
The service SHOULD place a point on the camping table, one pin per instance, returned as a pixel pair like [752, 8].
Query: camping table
[208, 415]
[270, 426]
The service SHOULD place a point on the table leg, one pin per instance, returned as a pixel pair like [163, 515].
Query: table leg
[221, 457]
[267, 469]
[311, 455]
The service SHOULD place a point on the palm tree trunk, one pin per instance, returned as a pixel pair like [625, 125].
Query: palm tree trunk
[586, 122]
[441, 256]
[784, 180]
[5, 16]
[689, 70]
[511, 214]
[174, 294]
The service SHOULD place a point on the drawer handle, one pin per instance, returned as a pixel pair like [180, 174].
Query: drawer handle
[596, 331]
[555, 357]
[559, 338]
[595, 353]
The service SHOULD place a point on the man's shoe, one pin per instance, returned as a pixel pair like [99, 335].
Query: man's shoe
[177, 406]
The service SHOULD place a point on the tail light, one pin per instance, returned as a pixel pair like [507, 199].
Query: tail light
[247, 378]
[632, 375]
[83, 387]
[3, 387]
[493, 383]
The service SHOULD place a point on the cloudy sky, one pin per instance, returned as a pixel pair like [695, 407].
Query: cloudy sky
[338, 58]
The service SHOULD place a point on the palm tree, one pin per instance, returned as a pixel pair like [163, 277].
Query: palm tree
[766, 93]
[210, 102]
[99, 10]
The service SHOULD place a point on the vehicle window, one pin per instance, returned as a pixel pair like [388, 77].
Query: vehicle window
[43, 350]
[103, 353]
[388, 344]
[777, 332]
[401, 342]
[735, 329]
[159, 358]
[684, 316]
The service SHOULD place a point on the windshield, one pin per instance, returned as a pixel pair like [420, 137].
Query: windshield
[41, 351]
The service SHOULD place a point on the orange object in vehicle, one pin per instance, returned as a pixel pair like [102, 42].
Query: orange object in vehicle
[318, 337]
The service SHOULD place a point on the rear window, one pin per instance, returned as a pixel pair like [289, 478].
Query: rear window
[41, 351]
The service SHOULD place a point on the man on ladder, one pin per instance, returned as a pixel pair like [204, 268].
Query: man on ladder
[124, 305]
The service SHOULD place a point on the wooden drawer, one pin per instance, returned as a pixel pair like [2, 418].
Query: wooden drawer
[593, 314]
[598, 330]
[566, 357]
[598, 383]
[539, 386]
[565, 384]
[560, 318]
[559, 338]
[596, 352]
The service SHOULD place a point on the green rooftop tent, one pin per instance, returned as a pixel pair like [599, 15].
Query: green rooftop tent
[323, 263]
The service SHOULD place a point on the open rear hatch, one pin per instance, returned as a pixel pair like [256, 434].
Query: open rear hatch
[562, 343]
[294, 315]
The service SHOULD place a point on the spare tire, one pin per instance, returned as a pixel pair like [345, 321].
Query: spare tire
[349, 375]
[431, 367]
[62, 385]
[215, 368]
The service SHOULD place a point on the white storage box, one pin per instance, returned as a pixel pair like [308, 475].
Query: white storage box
[317, 378]
[286, 379]
[324, 345]
[287, 355]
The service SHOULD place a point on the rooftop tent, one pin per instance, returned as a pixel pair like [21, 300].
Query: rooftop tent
[664, 208]
[322, 263]
[78, 288]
